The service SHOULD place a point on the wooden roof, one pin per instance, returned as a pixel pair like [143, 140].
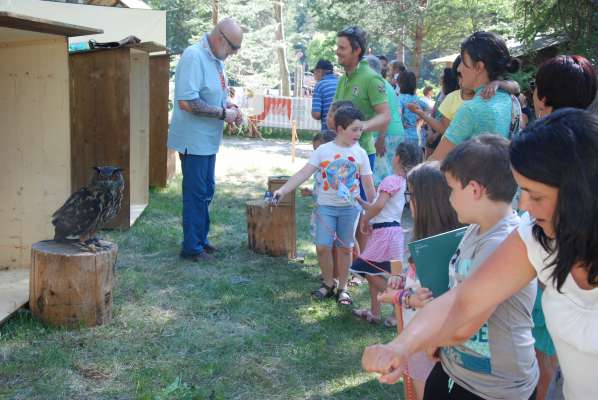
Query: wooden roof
[28, 23]
[150, 47]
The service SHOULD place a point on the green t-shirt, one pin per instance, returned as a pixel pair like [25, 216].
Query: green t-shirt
[365, 89]
[395, 126]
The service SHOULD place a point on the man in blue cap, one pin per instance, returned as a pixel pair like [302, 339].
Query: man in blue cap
[324, 91]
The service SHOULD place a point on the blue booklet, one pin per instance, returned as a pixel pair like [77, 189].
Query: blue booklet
[432, 255]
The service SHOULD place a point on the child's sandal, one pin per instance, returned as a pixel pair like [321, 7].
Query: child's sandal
[344, 298]
[323, 292]
[366, 315]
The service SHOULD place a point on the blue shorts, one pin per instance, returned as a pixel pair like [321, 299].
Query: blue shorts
[341, 221]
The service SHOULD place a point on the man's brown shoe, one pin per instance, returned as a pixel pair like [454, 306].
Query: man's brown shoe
[208, 248]
[202, 257]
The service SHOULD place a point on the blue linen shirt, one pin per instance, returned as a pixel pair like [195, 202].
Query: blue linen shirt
[324, 96]
[199, 74]
[410, 118]
[478, 116]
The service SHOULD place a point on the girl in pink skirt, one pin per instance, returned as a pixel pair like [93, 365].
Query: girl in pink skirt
[382, 222]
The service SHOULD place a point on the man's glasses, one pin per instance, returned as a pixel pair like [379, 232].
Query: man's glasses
[407, 196]
[233, 46]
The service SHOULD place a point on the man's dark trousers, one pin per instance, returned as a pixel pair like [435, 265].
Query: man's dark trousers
[198, 190]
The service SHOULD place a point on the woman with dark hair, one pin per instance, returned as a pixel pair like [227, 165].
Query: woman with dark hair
[484, 59]
[408, 84]
[452, 102]
[556, 242]
[564, 81]
[449, 81]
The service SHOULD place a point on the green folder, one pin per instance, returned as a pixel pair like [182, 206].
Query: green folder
[432, 255]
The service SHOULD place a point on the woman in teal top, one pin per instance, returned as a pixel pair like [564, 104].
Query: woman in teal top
[484, 58]
[394, 132]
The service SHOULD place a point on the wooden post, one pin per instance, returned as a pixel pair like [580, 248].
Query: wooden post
[294, 139]
[215, 11]
[162, 161]
[69, 286]
[396, 268]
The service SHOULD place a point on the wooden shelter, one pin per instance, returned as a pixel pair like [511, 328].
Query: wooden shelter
[110, 100]
[35, 146]
[162, 164]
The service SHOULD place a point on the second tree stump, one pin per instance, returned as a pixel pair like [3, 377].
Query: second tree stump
[271, 230]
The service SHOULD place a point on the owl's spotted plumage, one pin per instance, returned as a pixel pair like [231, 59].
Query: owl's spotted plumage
[91, 207]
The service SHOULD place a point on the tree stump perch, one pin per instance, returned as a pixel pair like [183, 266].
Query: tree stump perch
[270, 229]
[69, 286]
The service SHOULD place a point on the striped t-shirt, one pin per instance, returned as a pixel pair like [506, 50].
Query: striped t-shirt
[323, 96]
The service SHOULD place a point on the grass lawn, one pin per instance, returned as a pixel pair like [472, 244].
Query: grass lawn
[243, 327]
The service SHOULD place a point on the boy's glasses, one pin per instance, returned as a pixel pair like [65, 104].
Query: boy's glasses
[407, 196]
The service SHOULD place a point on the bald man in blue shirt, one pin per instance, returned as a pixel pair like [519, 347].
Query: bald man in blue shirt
[200, 109]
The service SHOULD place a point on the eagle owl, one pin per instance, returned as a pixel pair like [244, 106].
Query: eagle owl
[91, 207]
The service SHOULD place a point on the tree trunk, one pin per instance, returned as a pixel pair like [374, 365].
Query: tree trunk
[281, 49]
[401, 45]
[417, 48]
[215, 11]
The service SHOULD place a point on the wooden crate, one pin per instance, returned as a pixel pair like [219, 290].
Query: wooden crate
[110, 121]
[34, 142]
[162, 164]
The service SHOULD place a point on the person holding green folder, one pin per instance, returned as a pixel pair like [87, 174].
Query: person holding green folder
[428, 198]
[498, 360]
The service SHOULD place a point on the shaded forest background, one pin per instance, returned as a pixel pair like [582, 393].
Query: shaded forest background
[413, 30]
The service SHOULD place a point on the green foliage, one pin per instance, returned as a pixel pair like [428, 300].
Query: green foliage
[523, 78]
[184, 20]
[310, 26]
[449, 22]
[321, 46]
[577, 21]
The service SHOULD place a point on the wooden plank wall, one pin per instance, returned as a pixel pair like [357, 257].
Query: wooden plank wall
[100, 123]
[34, 144]
[162, 160]
[139, 106]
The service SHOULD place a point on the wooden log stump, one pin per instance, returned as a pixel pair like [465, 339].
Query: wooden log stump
[69, 286]
[271, 230]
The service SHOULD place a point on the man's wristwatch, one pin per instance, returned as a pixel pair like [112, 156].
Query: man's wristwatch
[223, 116]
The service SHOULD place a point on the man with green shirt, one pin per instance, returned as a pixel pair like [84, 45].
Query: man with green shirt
[364, 88]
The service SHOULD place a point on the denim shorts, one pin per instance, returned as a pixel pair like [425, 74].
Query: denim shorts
[342, 221]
